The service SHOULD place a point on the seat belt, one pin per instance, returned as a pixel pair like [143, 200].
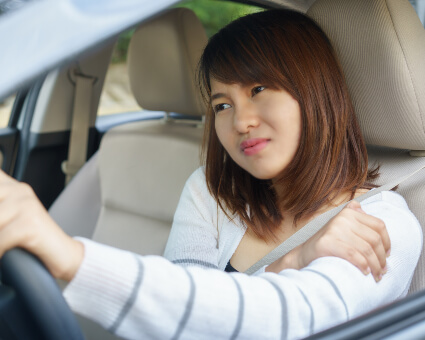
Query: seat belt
[78, 140]
[320, 221]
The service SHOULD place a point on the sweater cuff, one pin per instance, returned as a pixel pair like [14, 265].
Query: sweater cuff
[103, 284]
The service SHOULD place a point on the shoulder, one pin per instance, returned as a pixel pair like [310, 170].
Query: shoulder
[391, 204]
[385, 199]
[361, 293]
[196, 186]
[390, 197]
[401, 223]
[196, 196]
[197, 179]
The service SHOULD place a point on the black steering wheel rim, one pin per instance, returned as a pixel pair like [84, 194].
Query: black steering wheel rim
[40, 296]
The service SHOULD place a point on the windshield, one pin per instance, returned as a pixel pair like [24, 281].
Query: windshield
[11, 5]
[64, 28]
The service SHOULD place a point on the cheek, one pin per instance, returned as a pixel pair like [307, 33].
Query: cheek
[296, 122]
[297, 129]
[222, 131]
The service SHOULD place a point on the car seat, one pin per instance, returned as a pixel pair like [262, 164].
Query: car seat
[126, 194]
[381, 47]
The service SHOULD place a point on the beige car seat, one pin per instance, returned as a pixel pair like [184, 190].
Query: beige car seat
[126, 195]
[381, 46]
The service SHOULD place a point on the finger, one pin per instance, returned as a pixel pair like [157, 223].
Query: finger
[11, 236]
[363, 257]
[7, 212]
[352, 210]
[4, 177]
[355, 257]
[354, 205]
[378, 226]
[12, 198]
[375, 242]
[371, 222]
[13, 188]
[372, 259]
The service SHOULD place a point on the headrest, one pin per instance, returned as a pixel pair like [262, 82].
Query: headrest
[381, 46]
[162, 60]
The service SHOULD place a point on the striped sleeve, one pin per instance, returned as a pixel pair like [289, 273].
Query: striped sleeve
[151, 298]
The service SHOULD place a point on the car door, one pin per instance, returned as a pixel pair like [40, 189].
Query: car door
[35, 141]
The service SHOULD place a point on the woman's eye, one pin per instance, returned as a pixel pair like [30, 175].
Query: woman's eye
[220, 107]
[257, 90]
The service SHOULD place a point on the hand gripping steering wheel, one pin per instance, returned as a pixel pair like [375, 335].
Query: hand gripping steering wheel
[31, 302]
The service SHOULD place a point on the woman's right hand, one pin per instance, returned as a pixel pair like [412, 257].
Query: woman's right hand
[352, 235]
[25, 223]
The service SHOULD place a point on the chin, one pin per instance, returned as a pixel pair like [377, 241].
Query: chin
[260, 171]
[263, 175]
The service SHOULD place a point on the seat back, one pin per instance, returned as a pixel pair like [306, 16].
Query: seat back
[381, 47]
[140, 169]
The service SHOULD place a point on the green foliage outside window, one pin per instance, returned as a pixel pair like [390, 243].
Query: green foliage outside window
[119, 54]
[213, 14]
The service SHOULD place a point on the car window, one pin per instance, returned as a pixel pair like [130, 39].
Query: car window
[11, 5]
[6, 106]
[419, 6]
[116, 95]
[216, 14]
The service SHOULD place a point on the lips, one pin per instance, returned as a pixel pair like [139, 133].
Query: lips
[254, 145]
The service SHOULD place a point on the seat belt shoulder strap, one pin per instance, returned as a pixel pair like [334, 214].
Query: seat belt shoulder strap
[319, 222]
[78, 140]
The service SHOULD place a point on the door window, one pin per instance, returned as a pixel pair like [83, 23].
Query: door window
[116, 94]
[6, 106]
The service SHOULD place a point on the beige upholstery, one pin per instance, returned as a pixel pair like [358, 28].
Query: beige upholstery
[126, 194]
[381, 46]
[143, 167]
[134, 182]
[163, 56]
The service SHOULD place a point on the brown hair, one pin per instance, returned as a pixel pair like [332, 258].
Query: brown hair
[283, 49]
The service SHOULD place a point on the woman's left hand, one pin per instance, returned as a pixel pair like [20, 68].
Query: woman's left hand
[352, 235]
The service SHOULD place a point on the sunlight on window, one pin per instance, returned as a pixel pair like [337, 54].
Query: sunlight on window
[116, 95]
[5, 110]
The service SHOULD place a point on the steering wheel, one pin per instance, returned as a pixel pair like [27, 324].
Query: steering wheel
[31, 302]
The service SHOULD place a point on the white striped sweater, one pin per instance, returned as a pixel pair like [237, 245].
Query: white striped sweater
[150, 297]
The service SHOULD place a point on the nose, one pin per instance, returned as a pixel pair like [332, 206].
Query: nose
[246, 117]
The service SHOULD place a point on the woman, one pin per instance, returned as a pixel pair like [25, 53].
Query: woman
[278, 111]
[281, 121]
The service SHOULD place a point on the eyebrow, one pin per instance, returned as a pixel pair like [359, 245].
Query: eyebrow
[217, 95]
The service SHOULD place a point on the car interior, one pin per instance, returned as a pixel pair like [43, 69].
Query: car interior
[167, 149]
[126, 193]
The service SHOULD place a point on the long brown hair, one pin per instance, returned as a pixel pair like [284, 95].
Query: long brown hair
[284, 49]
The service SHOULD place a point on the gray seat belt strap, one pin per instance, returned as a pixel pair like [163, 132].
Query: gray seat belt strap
[78, 140]
[316, 224]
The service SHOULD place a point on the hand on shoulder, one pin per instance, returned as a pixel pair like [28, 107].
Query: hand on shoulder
[352, 235]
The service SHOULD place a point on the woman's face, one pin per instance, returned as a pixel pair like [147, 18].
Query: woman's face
[260, 128]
